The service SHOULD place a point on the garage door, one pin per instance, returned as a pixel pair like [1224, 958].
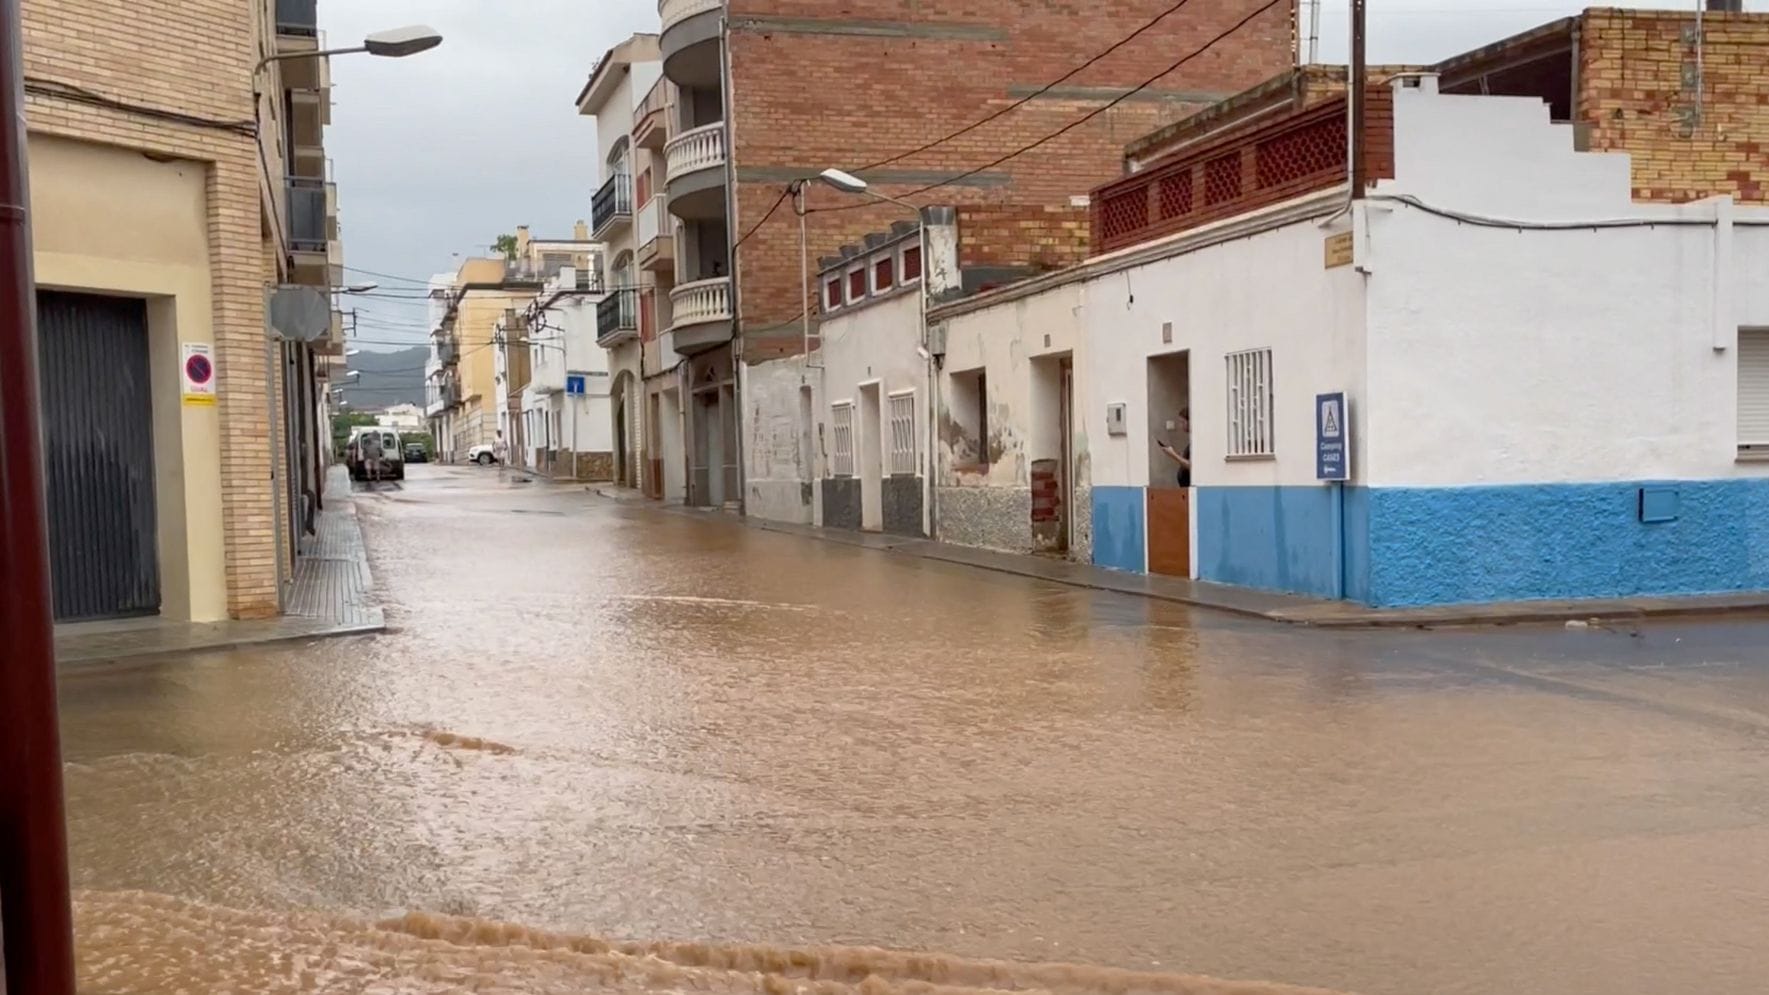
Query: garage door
[98, 455]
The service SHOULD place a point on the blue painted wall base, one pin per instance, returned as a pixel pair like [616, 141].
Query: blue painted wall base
[1119, 528]
[1274, 538]
[1431, 546]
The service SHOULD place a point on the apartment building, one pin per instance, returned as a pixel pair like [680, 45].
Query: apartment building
[519, 334]
[617, 88]
[172, 198]
[767, 93]
[568, 423]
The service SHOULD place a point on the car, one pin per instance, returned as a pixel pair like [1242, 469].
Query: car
[485, 454]
[374, 452]
[414, 453]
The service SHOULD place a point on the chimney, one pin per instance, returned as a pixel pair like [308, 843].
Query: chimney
[521, 241]
[580, 232]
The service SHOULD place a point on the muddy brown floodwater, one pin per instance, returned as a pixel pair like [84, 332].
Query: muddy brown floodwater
[615, 748]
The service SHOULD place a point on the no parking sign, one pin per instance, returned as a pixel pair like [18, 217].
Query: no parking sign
[199, 374]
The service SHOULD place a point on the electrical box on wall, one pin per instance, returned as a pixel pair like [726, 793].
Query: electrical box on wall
[1658, 504]
[1115, 420]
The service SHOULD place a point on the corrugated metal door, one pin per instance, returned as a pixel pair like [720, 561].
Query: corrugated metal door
[98, 455]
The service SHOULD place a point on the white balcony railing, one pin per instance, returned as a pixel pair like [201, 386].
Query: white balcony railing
[701, 301]
[674, 12]
[702, 148]
[653, 222]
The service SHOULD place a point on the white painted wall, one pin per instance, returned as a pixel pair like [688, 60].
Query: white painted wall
[873, 343]
[1504, 356]
[1269, 290]
[779, 459]
[1005, 340]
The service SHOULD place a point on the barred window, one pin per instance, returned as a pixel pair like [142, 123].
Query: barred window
[903, 433]
[842, 428]
[1249, 404]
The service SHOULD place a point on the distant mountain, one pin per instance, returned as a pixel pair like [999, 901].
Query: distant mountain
[387, 378]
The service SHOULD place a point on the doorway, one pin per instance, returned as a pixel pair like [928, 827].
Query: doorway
[98, 455]
[1170, 492]
[871, 460]
[1051, 442]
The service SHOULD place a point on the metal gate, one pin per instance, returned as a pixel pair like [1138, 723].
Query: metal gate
[98, 455]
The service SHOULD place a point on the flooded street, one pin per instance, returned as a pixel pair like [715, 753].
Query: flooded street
[603, 720]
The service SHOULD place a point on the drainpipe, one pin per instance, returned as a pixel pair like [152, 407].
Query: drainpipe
[36, 921]
[725, 96]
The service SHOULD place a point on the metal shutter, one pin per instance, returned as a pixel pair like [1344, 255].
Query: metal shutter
[1753, 387]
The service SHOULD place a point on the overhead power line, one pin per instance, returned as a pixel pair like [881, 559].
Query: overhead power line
[1035, 94]
[1096, 112]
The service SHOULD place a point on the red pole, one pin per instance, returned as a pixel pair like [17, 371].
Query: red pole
[35, 918]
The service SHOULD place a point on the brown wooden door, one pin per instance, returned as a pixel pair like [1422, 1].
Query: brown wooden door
[1170, 531]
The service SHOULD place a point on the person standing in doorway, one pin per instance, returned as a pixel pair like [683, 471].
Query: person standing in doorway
[1184, 459]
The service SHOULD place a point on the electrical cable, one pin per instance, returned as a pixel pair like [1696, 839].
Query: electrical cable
[1034, 95]
[60, 90]
[1482, 221]
[1083, 119]
[790, 187]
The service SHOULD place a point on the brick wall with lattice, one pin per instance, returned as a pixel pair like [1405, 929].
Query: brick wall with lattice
[1690, 106]
[1256, 164]
[818, 84]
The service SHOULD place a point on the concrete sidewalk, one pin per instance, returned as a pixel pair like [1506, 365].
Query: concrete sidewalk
[1291, 609]
[331, 595]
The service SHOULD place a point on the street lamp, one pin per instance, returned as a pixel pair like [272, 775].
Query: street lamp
[850, 184]
[395, 44]
[352, 352]
[358, 288]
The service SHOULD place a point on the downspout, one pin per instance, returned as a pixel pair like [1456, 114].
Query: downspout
[732, 248]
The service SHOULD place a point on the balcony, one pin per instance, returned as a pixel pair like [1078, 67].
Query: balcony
[656, 238]
[297, 18]
[651, 122]
[448, 351]
[690, 40]
[617, 318]
[612, 206]
[309, 230]
[694, 173]
[703, 317]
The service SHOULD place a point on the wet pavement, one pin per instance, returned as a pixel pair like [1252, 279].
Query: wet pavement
[594, 719]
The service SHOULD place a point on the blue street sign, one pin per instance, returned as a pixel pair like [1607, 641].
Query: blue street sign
[574, 383]
[1332, 438]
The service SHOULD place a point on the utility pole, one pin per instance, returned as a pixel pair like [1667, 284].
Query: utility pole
[1355, 86]
[36, 920]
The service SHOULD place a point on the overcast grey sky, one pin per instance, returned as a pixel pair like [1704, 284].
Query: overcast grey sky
[437, 154]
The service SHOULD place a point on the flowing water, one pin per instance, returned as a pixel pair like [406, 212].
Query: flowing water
[685, 755]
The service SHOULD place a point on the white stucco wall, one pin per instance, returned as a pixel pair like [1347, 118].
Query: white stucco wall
[1268, 290]
[873, 344]
[780, 463]
[1501, 356]
[990, 504]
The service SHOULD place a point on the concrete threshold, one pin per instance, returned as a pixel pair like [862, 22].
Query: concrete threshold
[1290, 609]
[331, 594]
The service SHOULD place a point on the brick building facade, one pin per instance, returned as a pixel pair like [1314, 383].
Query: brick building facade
[103, 79]
[849, 87]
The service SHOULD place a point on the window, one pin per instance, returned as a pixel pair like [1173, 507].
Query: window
[911, 263]
[1753, 391]
[856, 284]
[832, 293]
[884, 274]
[842, 427]
[903, 434]
[1249, 404]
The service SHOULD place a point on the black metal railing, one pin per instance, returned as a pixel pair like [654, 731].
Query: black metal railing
[617, 313]
[297, 17]
[614, 200]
